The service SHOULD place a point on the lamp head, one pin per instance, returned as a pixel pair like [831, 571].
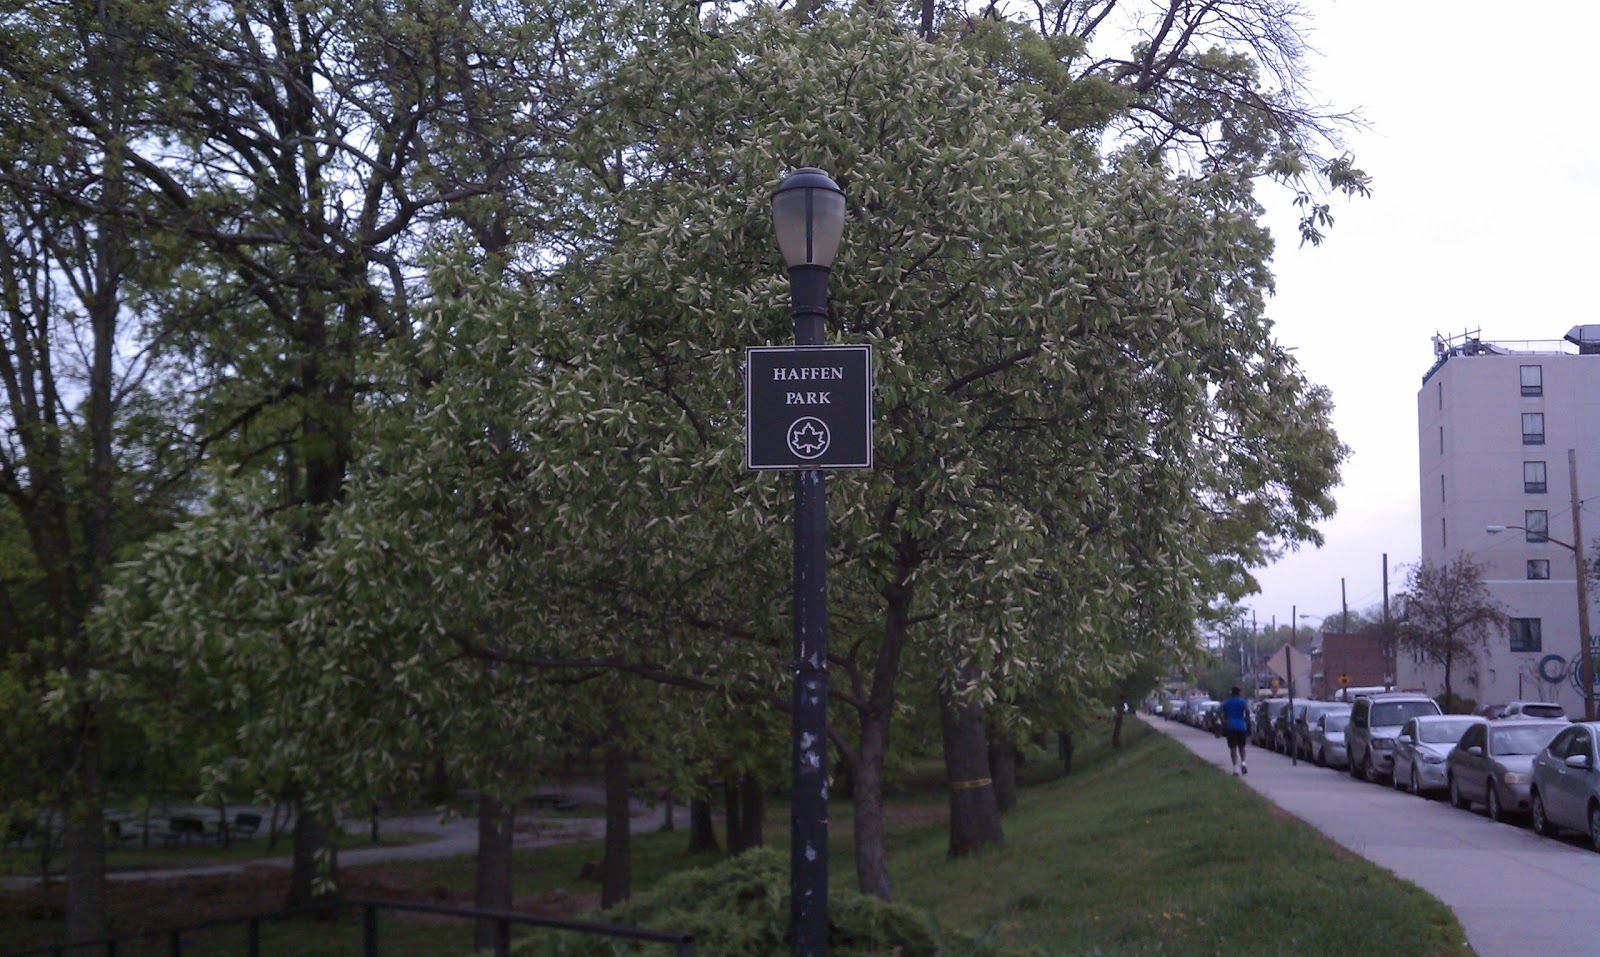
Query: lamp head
[1494, 529]
[808, 216]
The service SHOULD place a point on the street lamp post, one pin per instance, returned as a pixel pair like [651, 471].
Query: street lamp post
[1581, 572]
[808, 212]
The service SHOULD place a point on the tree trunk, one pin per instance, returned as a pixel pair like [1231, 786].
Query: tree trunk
[872, 855]
[753, 813]
[84, 840]
[974, 811]
[617, 883]
[1064, 749]
[1449, 696]
[866, 763]
[1116, 728]
[493, 890]
[730, 813]
[1003, 768]
[311, 838]
[702, 831]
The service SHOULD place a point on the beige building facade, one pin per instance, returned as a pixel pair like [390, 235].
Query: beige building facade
[1502, 428]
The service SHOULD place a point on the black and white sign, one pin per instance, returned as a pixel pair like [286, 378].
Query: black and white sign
[808, 407]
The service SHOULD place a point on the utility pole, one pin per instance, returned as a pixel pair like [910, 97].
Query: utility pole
[1581, 569]
[1389, 661]
[1288, 667]
[1344, 605]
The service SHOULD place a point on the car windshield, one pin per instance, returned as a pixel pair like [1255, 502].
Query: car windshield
[1399, 712]
[1335, 722]
[1442, 732]
[1528, 739]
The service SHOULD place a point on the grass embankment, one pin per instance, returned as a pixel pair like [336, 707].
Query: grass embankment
[1142, 851]
[1152, 851]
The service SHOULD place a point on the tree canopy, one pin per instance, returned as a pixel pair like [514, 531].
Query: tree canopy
[460, 296]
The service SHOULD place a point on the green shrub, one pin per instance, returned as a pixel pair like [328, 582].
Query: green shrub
[740, 908]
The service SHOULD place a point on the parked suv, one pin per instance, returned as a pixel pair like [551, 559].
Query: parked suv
[1375, 722]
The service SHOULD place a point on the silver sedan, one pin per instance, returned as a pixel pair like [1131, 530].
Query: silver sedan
[1421, 748]
[1566, 783]
[1327, 740]
[1492, 764]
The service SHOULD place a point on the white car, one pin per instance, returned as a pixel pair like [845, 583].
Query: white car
[1536, 710]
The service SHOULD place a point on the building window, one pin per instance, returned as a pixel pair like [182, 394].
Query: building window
[1441, 395]
[1536, 522]
[1533, 380]
[1441, 440]
[1533, 478]
[1441, 488]
[1533, 428]
[1525, 635]
[1444, 533]
[1538, 569]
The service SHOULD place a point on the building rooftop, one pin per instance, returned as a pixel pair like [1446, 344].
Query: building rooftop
[1579, 340]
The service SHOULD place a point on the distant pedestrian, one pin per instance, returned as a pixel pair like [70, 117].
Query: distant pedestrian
[1236, 725]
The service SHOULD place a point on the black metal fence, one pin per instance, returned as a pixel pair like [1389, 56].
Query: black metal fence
[682, 944]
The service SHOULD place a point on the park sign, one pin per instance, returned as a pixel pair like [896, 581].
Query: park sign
[808, 407]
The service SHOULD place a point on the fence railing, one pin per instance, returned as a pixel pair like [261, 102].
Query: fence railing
[682, 944]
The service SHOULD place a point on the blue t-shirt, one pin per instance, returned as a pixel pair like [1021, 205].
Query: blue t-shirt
[1236, 712]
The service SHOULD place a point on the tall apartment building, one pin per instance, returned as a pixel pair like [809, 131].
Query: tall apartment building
[1496, 423]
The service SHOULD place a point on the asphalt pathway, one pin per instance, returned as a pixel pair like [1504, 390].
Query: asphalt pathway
[1515, 893]
[455, 837]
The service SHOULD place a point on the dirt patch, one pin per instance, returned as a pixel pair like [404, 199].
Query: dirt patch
[916, 814]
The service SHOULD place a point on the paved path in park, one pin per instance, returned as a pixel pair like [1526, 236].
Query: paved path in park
[455, 837]
[1515, 893]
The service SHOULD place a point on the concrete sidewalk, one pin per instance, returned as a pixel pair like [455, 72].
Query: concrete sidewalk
[1516, 893]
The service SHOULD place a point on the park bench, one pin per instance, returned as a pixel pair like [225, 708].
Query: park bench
[183, 828]
[245, 824]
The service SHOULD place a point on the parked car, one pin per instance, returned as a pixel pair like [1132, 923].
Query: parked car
[1266, 711]
[1421, 748]
[1193, 708]
[1305, 716]
[1541, 710]
[1565, 792]
[1327, 740]
[1211, 716]
[1375, 720]
[1492, 764]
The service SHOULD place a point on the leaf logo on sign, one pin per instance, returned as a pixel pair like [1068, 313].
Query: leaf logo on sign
[808, 437]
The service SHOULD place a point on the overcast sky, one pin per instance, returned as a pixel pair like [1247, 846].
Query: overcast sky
[1484, 148]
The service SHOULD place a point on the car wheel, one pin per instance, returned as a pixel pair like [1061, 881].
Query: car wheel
[1416, 782]
[1456, 797]
[1395, 780]
[1492, 806]
[1366, 768]
[1322, 757]
[1541, 822]
[1594, 825]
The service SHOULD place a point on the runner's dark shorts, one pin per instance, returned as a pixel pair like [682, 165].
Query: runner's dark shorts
[1236, 739]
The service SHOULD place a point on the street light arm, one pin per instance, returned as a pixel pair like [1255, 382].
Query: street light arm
[1497, 529]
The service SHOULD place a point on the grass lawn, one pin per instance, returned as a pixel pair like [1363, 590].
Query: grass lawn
[1152, 851]
[1142, 851]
